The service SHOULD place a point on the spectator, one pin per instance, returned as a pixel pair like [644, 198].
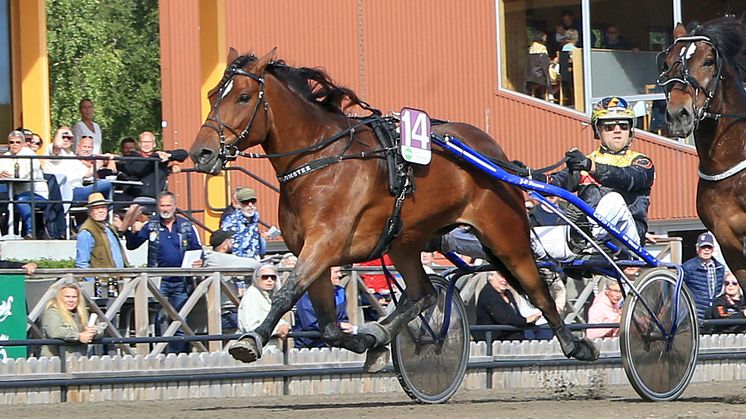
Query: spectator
[29, 267]
[247, 241]
[34, 143]
[606, 308]
[257, 301]
[729, 305]
[86, 126]
[220, 257]
[703, 275]
[24, 168]
[428, 262]
[61, 147]
[537, 68]
[234, 206]
[98, 243]
[153, 174]
[85, 170]
[496, 305]
[306, 320]
[377, 287]
[571, 41]
[66, 317]
[169, 237]
[613, 40]
[127, 146]
[288, 261]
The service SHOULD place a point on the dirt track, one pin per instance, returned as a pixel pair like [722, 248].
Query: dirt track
[724, 399]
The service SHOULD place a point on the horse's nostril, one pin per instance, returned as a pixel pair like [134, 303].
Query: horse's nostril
[205, 155]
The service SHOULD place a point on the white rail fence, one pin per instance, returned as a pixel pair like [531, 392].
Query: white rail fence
[324, 371]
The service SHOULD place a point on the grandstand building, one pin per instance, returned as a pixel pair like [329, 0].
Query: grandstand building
[458, 60]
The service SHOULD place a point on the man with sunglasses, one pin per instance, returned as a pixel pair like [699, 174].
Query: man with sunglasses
[244, 223]
[613, 179]
[19, 166]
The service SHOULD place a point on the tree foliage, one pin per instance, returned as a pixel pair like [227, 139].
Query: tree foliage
[108, 51]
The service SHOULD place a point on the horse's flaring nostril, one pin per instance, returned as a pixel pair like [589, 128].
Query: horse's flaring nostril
[204, 156]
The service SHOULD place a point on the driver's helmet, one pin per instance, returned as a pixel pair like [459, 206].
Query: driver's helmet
[612, 107]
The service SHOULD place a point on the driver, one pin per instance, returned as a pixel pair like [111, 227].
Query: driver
[613, 179]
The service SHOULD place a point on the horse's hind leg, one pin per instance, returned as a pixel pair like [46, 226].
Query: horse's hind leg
[515, 255]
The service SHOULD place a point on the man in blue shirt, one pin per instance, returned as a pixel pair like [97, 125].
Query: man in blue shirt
[244, 223]
[98, 243]
[168, 237]
[703, 275]
[305, 316]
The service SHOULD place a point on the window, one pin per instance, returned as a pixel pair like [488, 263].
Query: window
[527, 30]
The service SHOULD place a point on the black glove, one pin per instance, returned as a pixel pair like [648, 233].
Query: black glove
[540, 177]
[577, 161]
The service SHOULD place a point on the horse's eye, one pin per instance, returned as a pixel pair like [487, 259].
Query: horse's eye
[244, 98]
[709, 62]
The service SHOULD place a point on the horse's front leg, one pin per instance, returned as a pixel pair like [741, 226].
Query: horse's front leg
[324, 303]
[248, 347]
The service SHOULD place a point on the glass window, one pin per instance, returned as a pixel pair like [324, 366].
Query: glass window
[6, 111]
[624, 62]
[704, 10]
[532, 37]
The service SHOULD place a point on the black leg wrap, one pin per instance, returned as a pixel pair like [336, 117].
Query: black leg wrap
[573, 347]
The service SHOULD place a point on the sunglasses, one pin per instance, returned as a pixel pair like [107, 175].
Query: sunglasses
[731, 282]
[250, 201]
[32, 142]
[611, 125]
[266, 277]
[15, 142]
[67, 137]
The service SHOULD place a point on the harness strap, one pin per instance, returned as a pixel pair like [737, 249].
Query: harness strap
[393, 225]
[724, 175]
[317, 164]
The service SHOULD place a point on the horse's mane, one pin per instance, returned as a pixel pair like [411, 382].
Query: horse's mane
[313, 84]
[727, 35]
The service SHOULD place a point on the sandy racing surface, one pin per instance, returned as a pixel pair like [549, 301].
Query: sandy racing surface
[709, 400]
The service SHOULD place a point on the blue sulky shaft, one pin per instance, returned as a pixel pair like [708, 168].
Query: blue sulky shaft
[466, 153]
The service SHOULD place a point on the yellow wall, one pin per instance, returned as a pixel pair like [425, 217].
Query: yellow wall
[31, 107]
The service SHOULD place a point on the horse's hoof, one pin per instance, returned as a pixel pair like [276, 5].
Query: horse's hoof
[245, 350]
[376, 359]
[585, 350]
[374, 329]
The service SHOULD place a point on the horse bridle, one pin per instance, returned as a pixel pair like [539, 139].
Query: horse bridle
[686, 79]
[229, 151]
[682, 76]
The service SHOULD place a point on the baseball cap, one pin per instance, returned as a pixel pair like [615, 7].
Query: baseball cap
[706, 239]
[245, 194]
[219, 236]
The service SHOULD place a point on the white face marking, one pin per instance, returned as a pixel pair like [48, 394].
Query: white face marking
[690, 50]
[227, 89]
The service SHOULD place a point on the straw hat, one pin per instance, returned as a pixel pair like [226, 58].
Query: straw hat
[96, 199]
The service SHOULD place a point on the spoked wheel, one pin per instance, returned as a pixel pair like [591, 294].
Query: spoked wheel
[659, 369]
[431, 369]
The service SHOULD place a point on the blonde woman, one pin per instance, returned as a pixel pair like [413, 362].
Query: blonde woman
[66, 317]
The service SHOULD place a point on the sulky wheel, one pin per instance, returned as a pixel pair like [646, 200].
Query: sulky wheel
[659, 369]
[431, 369]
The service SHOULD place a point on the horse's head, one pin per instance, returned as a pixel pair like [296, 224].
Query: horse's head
[239, 114]
[691, 71]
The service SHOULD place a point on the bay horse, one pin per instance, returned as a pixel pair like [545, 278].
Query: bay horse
[705, 96]
[335, 214]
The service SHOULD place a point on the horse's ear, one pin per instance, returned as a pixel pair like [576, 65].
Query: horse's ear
[679, 30]
[266, 59]
[232, 55]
